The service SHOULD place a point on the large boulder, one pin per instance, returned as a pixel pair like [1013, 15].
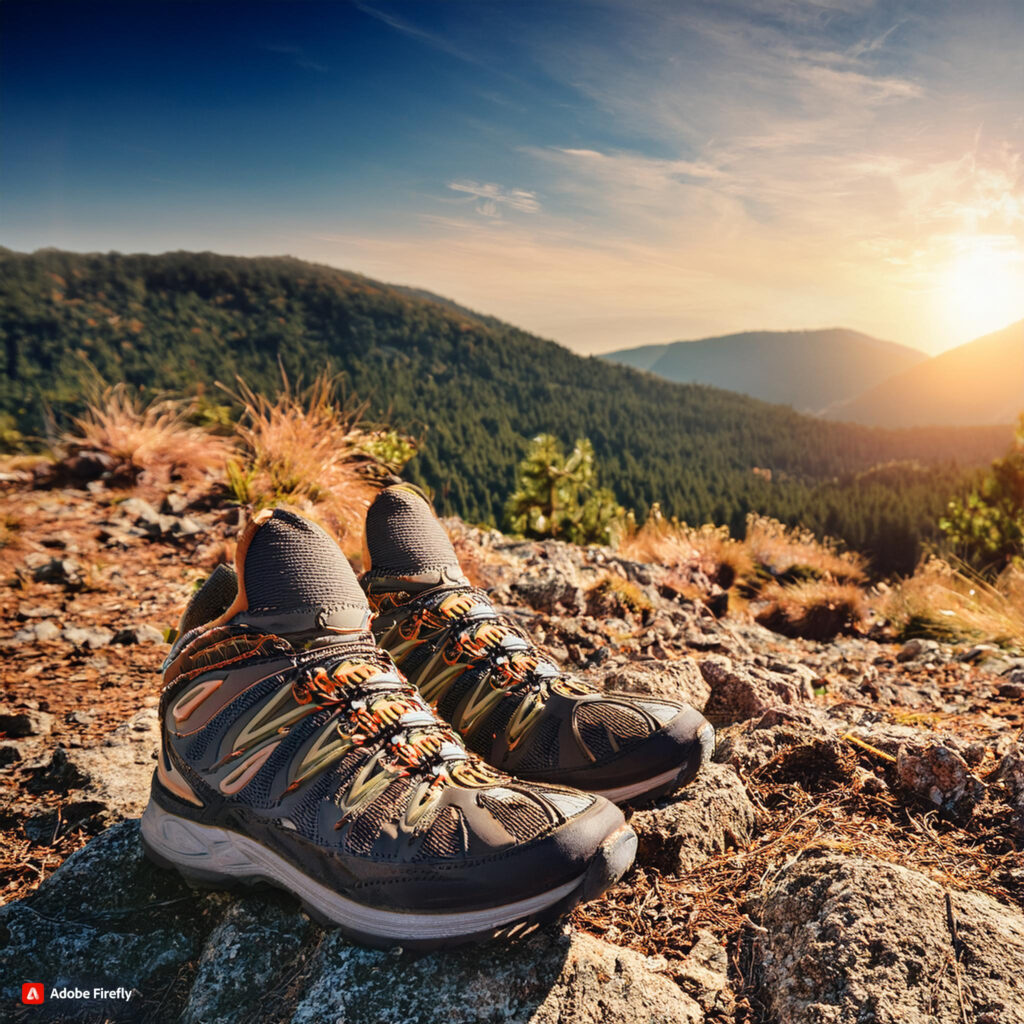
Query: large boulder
[106, 918]
[850, 939]
[556, 976]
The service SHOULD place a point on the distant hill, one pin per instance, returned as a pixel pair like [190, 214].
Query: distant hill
[473, 387]
[980, 382]
[809, 370]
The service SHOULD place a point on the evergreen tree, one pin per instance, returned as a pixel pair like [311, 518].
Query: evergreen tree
[557, 495]
[988, 525]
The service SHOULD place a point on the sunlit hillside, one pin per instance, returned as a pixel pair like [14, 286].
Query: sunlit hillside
[980, 382]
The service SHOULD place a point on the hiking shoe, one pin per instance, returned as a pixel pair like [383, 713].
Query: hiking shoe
[501, 691]
[294, 753]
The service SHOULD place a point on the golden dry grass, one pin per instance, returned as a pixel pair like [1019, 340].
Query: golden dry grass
[612, 593]
[10, 530]
[814, 609]
[952, 603]
[154, 439]
[784, 549]
[306, 450]
[673, 544]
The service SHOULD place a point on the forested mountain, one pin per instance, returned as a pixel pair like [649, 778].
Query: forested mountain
[808, 370]
[980, 382]
[475, 388]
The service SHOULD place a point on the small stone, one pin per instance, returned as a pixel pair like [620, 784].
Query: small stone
[174, 503]
[38, 632]
[63, 540]
[139, 511]
[977, 653]
[186, 526]
[1013, 690]
[17, 723]
[144, 634]
[940, 775]
[704, 975]
[41, 611]
[91, 637]
[917, 648]
[58, 570]
[10, 753]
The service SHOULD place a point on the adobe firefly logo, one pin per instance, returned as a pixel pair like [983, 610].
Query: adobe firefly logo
[32, 993]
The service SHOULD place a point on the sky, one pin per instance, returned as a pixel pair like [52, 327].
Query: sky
[607, 174]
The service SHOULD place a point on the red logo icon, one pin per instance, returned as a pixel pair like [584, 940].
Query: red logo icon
[32, 992]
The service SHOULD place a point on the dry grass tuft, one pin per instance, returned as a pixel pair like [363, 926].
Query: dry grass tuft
[10, 531]
[793, 553]
[306, 450]
[155, 440]
[953, 604]
[673, 544]
[613, 594]
[815, 609]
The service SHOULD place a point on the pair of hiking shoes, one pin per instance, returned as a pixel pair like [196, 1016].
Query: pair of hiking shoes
[390, 749]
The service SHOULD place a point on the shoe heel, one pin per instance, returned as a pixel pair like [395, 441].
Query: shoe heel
[204, 856]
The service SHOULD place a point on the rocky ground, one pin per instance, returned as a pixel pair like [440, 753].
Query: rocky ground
[853, 854]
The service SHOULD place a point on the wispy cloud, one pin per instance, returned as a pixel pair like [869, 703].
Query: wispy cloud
[493, 199]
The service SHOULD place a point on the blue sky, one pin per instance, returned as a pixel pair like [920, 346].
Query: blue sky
[604, 173]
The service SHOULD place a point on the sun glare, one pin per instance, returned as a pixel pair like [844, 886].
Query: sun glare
[982, 288]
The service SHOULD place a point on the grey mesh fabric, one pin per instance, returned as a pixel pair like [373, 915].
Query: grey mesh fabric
[212, 598]
[403, 537]
[293, 566]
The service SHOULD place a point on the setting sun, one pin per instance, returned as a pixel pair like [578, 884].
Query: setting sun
[982, 288]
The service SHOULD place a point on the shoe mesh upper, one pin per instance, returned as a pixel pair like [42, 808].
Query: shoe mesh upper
[367, 826]
[520, 818]
[293, 565]
[446, 837]
[404, 541]
[212, 598]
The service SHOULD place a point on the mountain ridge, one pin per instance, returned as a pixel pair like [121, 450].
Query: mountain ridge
[979, 382]
[809, 370]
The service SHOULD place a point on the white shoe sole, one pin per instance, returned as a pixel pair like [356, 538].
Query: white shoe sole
[213, 856]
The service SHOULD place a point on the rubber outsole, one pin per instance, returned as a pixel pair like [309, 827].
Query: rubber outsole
[210, 857]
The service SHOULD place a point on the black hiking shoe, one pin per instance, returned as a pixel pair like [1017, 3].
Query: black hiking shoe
[497, 688]
[294, 753]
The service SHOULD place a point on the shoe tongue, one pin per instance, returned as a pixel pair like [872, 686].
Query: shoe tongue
[404, 538]
[294, 578]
